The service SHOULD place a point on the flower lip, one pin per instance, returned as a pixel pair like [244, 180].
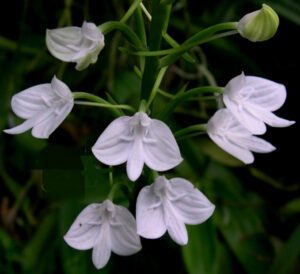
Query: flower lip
[138, 140]
[167, 205]
[94, 229]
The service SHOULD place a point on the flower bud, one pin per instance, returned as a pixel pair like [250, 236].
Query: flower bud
[259, 25]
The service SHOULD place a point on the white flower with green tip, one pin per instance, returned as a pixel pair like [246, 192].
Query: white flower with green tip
[74, 44]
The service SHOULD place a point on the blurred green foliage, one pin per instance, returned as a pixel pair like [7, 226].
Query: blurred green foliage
[45, 184]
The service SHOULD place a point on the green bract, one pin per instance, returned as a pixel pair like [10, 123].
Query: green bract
[259, 25]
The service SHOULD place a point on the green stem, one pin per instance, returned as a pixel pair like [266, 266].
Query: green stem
[151, 65]
[108, 27]
[179, 49]
[110, 177]
[160, 91]
[185, 96]
[113, 190]
[140, 26]
[165, 94]
[203, 37]
[156, 85]
[190, 129]
[148, 15]
[93, 104]
[130, 11]
[96, 99]
[143, 106]
[167, 37]
[141, 32]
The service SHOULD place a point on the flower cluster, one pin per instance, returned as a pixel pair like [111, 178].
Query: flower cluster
[250, 102]
[166, 205]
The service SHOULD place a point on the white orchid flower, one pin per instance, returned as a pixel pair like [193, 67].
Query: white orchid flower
[43, 106]
[106, 228]
[252, 99]
[138, 140]
[167, 205]
[229, 134]
[74, 44]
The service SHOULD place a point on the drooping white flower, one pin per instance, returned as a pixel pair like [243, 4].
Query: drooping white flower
[167, 205]
[138, 140]
[74, 44]
[106, 228]
[43, 106]
[229, 134]
[252, 100]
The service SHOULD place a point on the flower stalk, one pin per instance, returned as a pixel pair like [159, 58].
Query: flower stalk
[159, 15]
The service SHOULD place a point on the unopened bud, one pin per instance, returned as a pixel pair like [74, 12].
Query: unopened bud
[259, 25]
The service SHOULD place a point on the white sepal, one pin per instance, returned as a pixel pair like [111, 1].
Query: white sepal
[169, 205]
[138, 140]
[252, 100]
[43, 106]
[229, 134]
[74, 44]
[106, 228]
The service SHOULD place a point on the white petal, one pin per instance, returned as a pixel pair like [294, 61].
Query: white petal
[102, 248]
[61, 89]
[162, 152]
[52, 122]
[270, 118]
[192, 206]
[234, 86]
[124, 238]
[266, 94]
[83, 233]
[242, 154]
[91, 32]
[135, 161]
[175, 226]
[110, 148]
[32, 101]
[244, 115]
[26, 125]
[62, 42]
[254, 143]
[149, 214]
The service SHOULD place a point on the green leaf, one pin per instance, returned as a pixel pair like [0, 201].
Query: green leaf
[238, 218]
[39, 243]
[292, 206]
[96, 183]
[199, 254]
[126, 88]
[288, 255]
